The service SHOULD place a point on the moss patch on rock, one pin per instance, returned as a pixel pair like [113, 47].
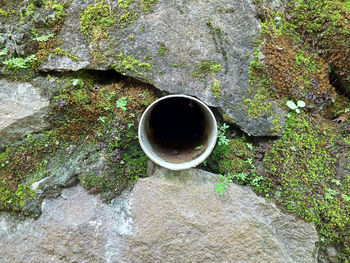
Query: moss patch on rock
[325, 26]
[104, 116]
[96, 19]
[206, 68]
[131, 64]
[235, 162]
[302, 167]
[17, 163]
[295, 73]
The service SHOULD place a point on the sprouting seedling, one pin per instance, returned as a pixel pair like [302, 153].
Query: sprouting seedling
[121, 103]
[198, 147]
[222, 140]
[293, 106]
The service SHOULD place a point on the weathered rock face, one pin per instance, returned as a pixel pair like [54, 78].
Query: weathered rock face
[168, 217]
[174, 39]
[73, 228]
[23, 109]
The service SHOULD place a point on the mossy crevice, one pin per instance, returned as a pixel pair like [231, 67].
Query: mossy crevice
[105, 117]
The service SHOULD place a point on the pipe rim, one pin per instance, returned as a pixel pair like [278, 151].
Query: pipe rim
[179, 166]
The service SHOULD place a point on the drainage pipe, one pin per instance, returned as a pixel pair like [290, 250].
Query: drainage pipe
[177, 132]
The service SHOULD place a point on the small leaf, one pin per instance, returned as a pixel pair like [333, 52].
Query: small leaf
[291, 105]
[345, 197]
[3, 52]
[75, 82]
[297, 110]
[301, 103]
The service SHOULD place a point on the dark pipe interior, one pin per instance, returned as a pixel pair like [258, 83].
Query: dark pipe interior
[177, 125]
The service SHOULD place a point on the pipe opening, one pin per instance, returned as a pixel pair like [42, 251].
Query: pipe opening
[177, 126]
[176, 130]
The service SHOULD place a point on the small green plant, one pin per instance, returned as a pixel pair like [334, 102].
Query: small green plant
[240, 177]
[162, 49]
[121, 103]
[102, 119]
[250, 146]
[295, 107]
[4, 163]
[222, 185]
[345, 197]
[336, 182]
[301, 57]
[222, 140]
[43, 38]
[15, 64]
[3, 52]
[198, 147]
[77, 82]
[330, 193]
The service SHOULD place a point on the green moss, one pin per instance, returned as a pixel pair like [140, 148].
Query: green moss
[206, 68]
[17, 162]
[110, 118]
[259, 104]
[302, 58]
[130, 10]
[215, 88]
[15, 200]
[5, 13]
[127, 17]
[58, 7]
[55, 8]
[90, 116]
[15, 64]
[61, 52]
[126, 160]
[95, 20]
[125, 173]
[325, 27]
[232, 158]
[235, 161]
[128, 63]
[276, 126]
[145, 5]
[259, 83]
[162, 50]
[303, 166]
[228, 118]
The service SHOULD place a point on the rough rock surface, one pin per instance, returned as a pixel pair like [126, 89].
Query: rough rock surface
[23, 109]
[168, 217]
[63, 171]
[187, 33]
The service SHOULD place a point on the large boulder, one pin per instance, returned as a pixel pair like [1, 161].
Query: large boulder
[23, 109]
[200, 48]
[168, 217]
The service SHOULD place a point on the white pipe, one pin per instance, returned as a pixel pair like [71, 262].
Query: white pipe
[177, 154]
